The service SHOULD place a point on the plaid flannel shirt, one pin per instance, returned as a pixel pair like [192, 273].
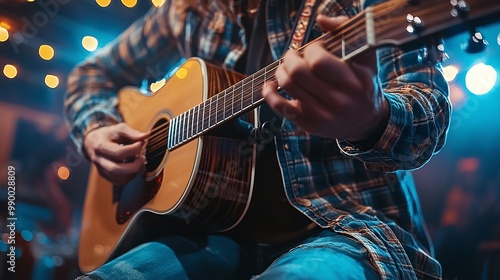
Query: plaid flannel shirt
[366, 193]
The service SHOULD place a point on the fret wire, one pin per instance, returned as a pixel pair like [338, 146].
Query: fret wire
[214, 112]
[209, 112]
[170, 129]
[174, 139]
[190, 124]
[242, 96]
[253, 90]
[193, 122]
[225, 105]
[220, 112]
[186, 127]
[216, 107]
[182, 128]
[343, 45]
[204, 118]
[198, 119]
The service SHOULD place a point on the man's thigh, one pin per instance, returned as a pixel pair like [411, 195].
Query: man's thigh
[328, 256]
[179, 257]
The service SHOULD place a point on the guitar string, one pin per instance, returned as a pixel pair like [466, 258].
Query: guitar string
[215, 114]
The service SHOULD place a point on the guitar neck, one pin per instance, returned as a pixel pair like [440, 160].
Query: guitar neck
[241, 97]
[404, 23]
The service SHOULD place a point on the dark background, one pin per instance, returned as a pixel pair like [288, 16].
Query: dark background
[459, 188]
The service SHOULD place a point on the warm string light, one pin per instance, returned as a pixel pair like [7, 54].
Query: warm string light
[129, 3]
[158, 3]
[4, 34]
[51, 81]
[103, 3]
[46, 52]
[10, 71]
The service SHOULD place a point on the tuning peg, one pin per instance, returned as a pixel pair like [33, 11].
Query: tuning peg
[460, 8]
[415, 24]
[476, 43]
[433, 52]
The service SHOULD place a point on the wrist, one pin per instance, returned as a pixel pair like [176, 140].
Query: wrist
[380, 123]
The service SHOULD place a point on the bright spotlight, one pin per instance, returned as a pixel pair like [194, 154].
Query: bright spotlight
[480, 78]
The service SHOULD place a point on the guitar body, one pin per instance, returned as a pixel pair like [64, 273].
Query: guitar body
[206, 182]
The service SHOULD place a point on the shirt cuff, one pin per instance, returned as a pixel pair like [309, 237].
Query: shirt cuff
[386, 152]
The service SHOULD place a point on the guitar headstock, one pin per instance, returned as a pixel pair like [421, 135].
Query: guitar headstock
[410, 23]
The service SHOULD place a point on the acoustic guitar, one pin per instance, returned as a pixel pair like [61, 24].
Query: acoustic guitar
[196, 177]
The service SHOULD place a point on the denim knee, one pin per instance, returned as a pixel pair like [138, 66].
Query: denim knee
[324, 258]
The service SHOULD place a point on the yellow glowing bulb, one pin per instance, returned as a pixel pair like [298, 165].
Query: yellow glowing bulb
[46, 52]
[63, 173]
[51, 81]
[90, 43]
[103, 3]
[181, 73]
[158, 3]
[156, 86]
[129, 3]
[10, 71]
[4, 34]
[31, 0]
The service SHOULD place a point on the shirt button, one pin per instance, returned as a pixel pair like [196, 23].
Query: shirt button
[304, 201]
[286, 146]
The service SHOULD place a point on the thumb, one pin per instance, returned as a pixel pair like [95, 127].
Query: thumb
[327, 23]
[126, 132]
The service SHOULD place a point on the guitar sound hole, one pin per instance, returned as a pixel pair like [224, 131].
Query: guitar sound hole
[157, 145]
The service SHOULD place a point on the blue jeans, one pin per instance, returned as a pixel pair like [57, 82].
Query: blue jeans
[322, 255]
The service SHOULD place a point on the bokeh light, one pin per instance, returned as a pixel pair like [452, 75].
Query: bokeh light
[154, 87]
[480, 78]
[46, 52]
[181, 73]
[4, 34]
[63, 173]
[450, 72]
[10, 71]
[51, 81]
[158, 3]
[90, 43]
[103, 3]
[129, 3]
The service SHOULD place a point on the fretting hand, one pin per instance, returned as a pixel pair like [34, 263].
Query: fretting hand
[331, 97]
